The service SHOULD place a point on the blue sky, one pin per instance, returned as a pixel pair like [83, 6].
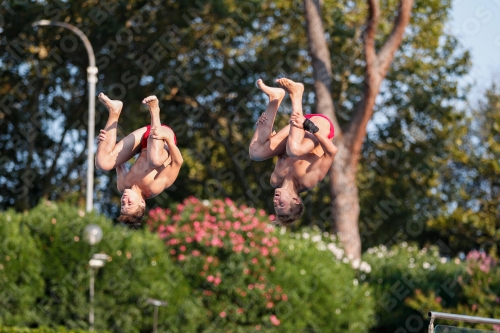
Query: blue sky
[477, 25]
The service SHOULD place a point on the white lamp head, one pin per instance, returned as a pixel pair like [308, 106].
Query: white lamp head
[93, 234]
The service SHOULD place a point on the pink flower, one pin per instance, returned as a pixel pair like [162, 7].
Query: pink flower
[196, 253]
[474, 307]
[240, 310]
[438, 299]
[250, 286]
[257, 327]
[270, 305]
[284, 297]
[222, 314]
[254, 261]
[496, 328]
[181, 257]
[274, 320]
[217, 281]
[210, 278]
[182, 248]
[210, 259]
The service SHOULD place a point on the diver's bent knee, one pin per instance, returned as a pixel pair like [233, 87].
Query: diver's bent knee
[104, 166]
[292, 151]
[155, 164]
[254, 156]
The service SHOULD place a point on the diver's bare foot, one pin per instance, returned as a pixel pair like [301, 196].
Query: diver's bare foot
[153, 104]
[293, 88]
[114, 106]
[273, 93]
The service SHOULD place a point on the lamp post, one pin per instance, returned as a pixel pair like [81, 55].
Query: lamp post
[92, 80]
[156, 303]
[93, 235]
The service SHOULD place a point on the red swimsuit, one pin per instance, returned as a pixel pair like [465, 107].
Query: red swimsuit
[332, 130]
[144, 142]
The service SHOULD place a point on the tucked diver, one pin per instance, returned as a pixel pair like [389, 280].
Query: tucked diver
[156, 168]
[304, 149]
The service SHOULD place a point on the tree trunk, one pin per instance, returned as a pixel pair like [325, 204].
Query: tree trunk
[343, 186]
[345, 202]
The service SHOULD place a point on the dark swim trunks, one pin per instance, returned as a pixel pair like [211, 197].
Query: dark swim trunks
[144, 142]
[332, 130]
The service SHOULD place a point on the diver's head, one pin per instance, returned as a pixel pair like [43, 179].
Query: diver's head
[133, 207]
[288, 206]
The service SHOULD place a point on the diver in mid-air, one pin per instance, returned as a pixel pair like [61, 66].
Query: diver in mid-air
[304, 149]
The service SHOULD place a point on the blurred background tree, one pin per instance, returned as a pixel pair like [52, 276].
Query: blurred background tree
[468, 196]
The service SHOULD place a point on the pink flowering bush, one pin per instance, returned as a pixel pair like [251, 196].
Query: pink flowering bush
[226, 252]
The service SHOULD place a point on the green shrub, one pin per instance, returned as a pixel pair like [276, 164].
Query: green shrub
[477, 291]
[403, 273]
[325, 293]
[39, 330]
[136, 270]
[20, 272]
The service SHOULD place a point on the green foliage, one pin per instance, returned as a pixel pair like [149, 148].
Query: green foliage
[478, 294]
[471, 220]
[39, 330]
[20, 272]
[136, 270]
[325, 293]
[222, 268]
[407, 154]
[403, 273]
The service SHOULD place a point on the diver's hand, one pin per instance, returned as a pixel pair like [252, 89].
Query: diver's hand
[102, 136]
[297, 120]
[159, 132]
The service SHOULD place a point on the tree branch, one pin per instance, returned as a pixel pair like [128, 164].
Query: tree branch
[376, 70]
[321, 62]
[387, 51]
[369, 37]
